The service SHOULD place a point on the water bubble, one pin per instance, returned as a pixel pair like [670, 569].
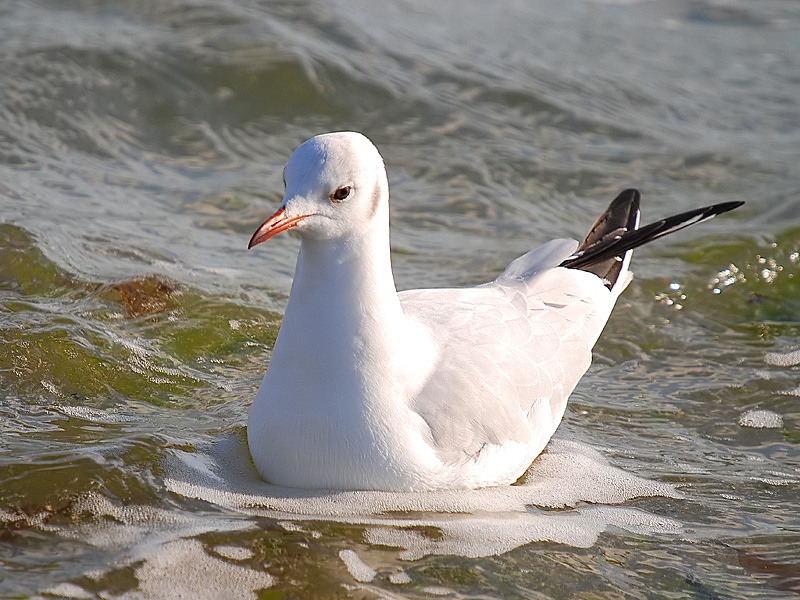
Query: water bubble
[783, 359]
[761, 419]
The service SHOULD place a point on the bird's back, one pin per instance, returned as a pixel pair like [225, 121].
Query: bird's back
[509, 354]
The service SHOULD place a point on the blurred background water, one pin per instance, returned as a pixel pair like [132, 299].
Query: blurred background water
[141, 142]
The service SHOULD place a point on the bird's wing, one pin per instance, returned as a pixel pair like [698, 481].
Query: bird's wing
[510, 352]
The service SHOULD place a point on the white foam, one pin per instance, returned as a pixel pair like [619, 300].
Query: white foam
[783, 359]
[166, 564]
[168, 561]
[491, 535]
[775, 481]
[400, 578]
[435, 590]
[761, 419]
[357, 567]
[93, 415]
[233, 552]
[51, 387]
[181, 569]
[69, 590]
[472, 522]
[133, 526]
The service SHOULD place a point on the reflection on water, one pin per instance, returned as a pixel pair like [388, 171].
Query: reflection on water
[141, 143]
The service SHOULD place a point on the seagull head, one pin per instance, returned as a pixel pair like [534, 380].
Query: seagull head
[335, 187]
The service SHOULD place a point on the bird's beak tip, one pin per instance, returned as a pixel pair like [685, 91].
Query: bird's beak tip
[273, 226]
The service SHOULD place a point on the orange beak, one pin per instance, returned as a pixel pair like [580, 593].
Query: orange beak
[273, 226]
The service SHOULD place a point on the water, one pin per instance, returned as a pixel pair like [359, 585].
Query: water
[140, 145]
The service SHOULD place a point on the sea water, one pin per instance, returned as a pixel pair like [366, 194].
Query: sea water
[141, 143]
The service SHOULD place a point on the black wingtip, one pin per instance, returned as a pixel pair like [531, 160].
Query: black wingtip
[621, 216]
[726, 206]
[613, 247]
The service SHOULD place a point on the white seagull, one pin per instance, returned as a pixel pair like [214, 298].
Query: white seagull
[372, 389]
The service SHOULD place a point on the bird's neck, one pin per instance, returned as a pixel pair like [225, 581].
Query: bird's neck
[345, 323]
[346, 278]
[343, 315]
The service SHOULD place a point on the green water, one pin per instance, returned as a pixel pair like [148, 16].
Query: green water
[141, 144]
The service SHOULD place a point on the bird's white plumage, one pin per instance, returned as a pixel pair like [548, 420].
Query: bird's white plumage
[425, 389]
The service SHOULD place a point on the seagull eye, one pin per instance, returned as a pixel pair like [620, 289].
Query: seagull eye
[341, 193]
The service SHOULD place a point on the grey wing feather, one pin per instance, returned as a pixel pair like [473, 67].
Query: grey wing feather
[523, 339]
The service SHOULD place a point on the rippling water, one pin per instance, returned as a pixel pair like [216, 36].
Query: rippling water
[142, 142]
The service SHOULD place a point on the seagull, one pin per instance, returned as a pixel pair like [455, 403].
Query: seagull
[426, 389]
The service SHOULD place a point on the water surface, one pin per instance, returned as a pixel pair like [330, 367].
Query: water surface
[140, 145]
